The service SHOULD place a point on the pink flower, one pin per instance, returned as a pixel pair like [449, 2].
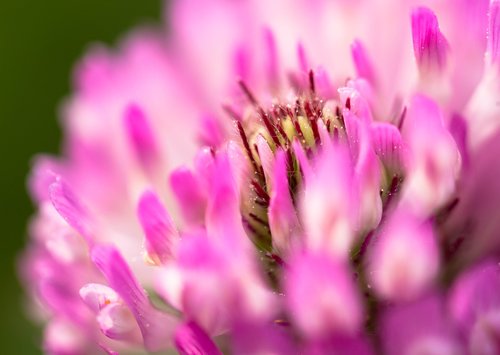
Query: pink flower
[316, 177]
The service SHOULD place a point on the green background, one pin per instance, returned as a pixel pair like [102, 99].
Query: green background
[40, 41]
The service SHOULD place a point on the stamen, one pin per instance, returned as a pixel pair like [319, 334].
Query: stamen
[244, 139]
[260, 191]
[312, 85]
[402, 117]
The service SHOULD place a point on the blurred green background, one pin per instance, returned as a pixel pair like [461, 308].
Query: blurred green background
[39, 43]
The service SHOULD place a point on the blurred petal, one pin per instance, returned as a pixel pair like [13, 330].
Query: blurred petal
[156, 327]
[161, 234]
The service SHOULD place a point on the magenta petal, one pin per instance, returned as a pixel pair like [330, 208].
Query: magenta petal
[388, 146]
[70, 208]
[282, 217]
[262, 338]
[475, 293]
[272, 62]
[161, 234]
[429, 44]
[190, 339]
[189, 195]
[421, 327]
[140, 135]
[363, 64]
[156, 327]
[494, 31]
[459, 130]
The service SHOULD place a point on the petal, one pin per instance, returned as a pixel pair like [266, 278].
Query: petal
[140, 136]
[117, 322]
[97, 296]
[62, 337]
[433, 168]
[191, 339]
[405, 258]
[428, 332]
[494, 32]
[282, 217]
[189, 195]
[223, 218]
[156, 327]
[329, 218]
[159, 229]
[322, 298]
[429, 44]
[43, 174]
[363, 64]
[70, 208]
[475, 293]
[389, 146]
[261, 338]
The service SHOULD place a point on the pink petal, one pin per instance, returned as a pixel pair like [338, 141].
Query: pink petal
[389, 146]
[266, 157]
[97, 296]
[421, 327]
[404, 259]
[322, 298]
[494, 31]
[159, 229]
[140, 136]
[156, 327]
[475, 293]
[282, 216]
[70, 208]
[189, 195]
[117, 322]
[223, 218]
[329, 218]
[191, 339]
[43, 174]
[364, 67]
[429, 44]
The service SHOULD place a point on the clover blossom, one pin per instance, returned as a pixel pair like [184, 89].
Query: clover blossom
[279, 178]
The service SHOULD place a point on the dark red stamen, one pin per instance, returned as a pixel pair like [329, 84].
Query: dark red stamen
[259, 220]
[312, 85]
[244, 139]
[260, 191]
[402, 119]
[348, 103]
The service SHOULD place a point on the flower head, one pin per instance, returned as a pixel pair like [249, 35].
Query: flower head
[278, 178]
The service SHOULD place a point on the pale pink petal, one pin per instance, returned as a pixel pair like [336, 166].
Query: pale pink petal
[321, 297]
[404, 259]
[97, 296]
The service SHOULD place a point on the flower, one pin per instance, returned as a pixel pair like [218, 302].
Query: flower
[315, 177]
